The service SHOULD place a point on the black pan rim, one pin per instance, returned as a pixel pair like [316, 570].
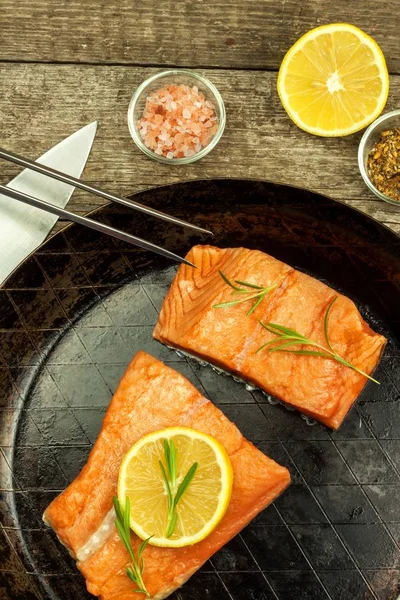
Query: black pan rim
[146, 191]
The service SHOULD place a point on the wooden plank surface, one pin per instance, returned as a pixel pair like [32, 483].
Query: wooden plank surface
[209, 33]
[41, 104]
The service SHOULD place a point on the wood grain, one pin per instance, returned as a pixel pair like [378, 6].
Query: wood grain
[210, 33]
[42, 104]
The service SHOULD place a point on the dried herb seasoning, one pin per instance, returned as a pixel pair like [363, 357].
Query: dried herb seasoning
[383, 164]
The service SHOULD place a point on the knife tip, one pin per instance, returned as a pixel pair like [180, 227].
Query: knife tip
[93, 125]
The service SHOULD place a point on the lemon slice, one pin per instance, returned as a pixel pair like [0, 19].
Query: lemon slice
[202, 505]
[333, 81]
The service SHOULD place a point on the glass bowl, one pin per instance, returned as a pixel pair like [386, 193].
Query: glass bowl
[158, 81]
[390, 120]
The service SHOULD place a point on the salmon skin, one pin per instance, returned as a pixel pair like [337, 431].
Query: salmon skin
[150, 397]
[226, 337]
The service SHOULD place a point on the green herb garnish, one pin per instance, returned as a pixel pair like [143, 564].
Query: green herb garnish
[169, 475]
[290, 337]
[249, 294]
[136, 568]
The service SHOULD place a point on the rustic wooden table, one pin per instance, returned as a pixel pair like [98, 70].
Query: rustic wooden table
[64, 64]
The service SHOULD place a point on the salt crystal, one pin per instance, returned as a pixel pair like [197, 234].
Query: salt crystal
[196, 128]
[177, 121]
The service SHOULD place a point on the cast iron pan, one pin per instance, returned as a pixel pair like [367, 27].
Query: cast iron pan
[73, 315]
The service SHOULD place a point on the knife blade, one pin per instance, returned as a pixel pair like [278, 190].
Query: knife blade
[23, 228]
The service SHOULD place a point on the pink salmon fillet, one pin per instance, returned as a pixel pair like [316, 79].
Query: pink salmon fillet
[151, 396]
[318, 387]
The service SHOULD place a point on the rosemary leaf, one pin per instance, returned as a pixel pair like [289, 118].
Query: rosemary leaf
[167, 455]
[127, 515]
[166, 482]
[234, 302]
[170, 456]
[142, 548]
[173, 463]
[258, 296]
[117, 508]
[224, 277]
[350, 366]
[306, 352]
[285, 345]
[257, 303]
[243, 292]
[171, 524]
[136, 568]
[250, 285]
[285, 330]
[185, 483]
[121, 533]
[326, 323]
[261, 348]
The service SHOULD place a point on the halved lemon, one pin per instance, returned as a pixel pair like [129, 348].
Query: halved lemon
[202, 505]
[334, 81]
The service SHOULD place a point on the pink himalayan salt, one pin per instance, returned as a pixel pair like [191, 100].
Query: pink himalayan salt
[177, 121]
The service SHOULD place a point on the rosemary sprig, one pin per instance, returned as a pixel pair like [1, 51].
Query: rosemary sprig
[249, 294]
[290, 337]
[136, 568]
[169, 474]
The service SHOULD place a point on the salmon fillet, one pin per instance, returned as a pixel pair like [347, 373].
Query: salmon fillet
[152, 396]
[316, 386]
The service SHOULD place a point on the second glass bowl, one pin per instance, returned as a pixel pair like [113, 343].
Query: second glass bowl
[390, 120]
[181, 76]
